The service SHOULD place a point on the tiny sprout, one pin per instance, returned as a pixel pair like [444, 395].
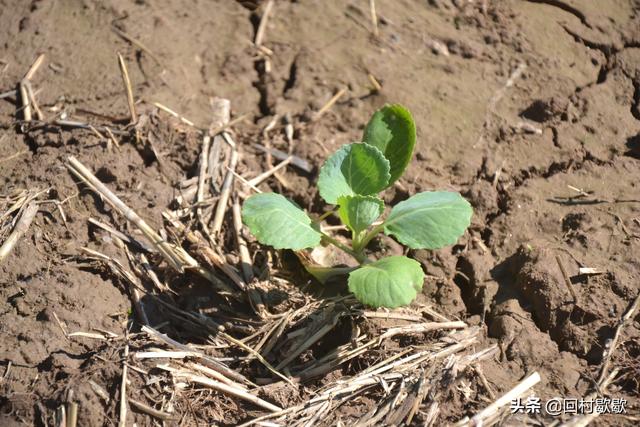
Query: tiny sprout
[352, 179]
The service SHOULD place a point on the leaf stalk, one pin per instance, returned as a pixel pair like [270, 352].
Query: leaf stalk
[362, 243]
[359, 256]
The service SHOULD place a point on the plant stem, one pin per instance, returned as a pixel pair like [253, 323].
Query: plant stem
[362, 243]
[355, 241]
[358, 256]
[324, 274]
[325, 215]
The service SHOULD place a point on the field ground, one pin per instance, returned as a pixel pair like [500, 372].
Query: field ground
[531, 109]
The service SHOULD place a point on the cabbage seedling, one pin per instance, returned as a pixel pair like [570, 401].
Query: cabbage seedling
[351, 179]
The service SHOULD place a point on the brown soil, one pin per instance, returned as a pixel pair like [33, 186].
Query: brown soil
[579, 95]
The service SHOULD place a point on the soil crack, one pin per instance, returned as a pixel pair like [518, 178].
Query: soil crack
[263, 87]
[567, 8]
[293, 75]
[635, 105]
[609, 51]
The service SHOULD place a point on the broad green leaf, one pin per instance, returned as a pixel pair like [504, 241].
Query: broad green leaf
[429, 220]
[359, 212]
[353, 169]
[389, 282]
[392, 131]
[278, 222]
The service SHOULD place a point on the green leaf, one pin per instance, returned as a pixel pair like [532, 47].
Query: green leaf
[429, 220]
[359, 212]
[278, 222]
[389, 282]
[392, 131]
[353, 169]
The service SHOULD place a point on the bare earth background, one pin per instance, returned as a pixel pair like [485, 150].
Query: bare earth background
[514, 101]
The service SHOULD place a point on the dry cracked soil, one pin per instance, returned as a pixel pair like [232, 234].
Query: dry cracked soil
[530, 109]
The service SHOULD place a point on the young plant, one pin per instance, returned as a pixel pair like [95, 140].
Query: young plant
[351, 179]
